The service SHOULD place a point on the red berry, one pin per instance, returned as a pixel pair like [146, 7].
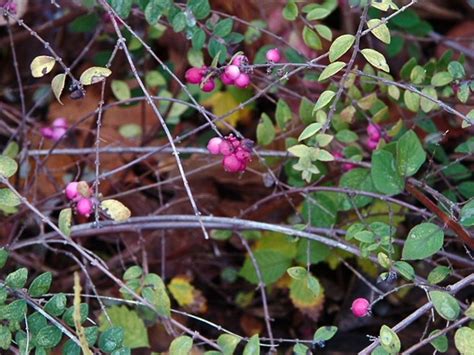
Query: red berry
[273, 55]
[84, 207]
[209, 85]
[360, 307]
[213, 145]
[194, 75]
[242, 81]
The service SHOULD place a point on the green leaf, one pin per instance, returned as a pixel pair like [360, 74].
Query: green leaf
[228, 343]
[57, 85]
[297, 272]
[412, 100]
[154, 78]
[440, 343]
[41, 284]
[181, 345]
[423, 241]
[41, 65]
[323, 100]
[154, 291]
[318, 13]
[318, 252]
[178, 22]
[8, 198]
[5, 337]
[111, 339]
[283, 113]
[384, 173]
[122, 7]
[310, 131]
[272, 264]
[200, 8]
[456, 70]
[389, 340]
[83, 311]
[115, 210]
[356, 179]
[94, 75]
[438, 274]
[469, 312]
[8, 166]
[463, 340]
[56, 305]
[198, 39]
[17, 279]
[418, 74]
[130, 130]
[467, 214]
[446, 305]
[340, 46]
[121, 90]
[223, 27]
[330, 70]
[300, 349]
[3, 257]
[405, 269]
[379, 30]
[155, 9]
[324, 31]
[320, 209]
[346, 136]
[253, 346]
[426, 104]
[311, 39]
[265, 130]
[14, 311]
[48, 337]
[65, 221]
[441, 79]
[133, 272]
[135, 331]
[410, 154]
[376, 59]
[290, 11]
[324, 333]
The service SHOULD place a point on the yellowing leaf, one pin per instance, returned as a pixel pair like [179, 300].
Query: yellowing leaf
[223, 102]
[379, 30]
[186, 295]
[340, 46]
[42, 65]
[57, 85]
[94, 75]
[115, 210]
[376, 59]
[307, 295]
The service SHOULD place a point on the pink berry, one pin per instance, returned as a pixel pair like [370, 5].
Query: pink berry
[360, 307]
[273, 55]
[242, 155]
[47, 132]
[338, 155]
[213, 145]
[209, 85]
[225, 148]
[232, 71]
[372, 144]
[84, 207]
[373, 131]
[226, 80]
[58, 133]
[232, 164]
[194, 75]
[71, 190]
[348, 166]
[242, 81]
[59, 123]
[239, 60]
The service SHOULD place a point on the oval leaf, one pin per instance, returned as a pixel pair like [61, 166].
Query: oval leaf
[445, 304]
[376, 59]
[330, 70]
[340, 46]
[115, 210]
[65, 221]
[423, 241]
[57, 85]
[42, 65]
[94, 75]
[8, 166]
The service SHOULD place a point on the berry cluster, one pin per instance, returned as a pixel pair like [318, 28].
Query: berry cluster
[80, 193]
[9, 5]
[236, 153]
[236, 73]
[360, 307]
[345, 166]
[56, 130]
[374, 133]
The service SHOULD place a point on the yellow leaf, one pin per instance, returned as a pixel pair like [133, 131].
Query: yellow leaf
[186, 295]
[42, 65]
[115, 210]
[94, 75]
[223, 102]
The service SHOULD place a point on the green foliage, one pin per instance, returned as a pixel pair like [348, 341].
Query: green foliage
[445, 305]
[40, 285]
[423, 241]
[181, 345]
[111, 339]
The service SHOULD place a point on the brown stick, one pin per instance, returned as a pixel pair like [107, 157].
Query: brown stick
[452, 224]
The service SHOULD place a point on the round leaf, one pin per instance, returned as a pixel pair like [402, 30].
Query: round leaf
[8, 166]
[41, 284]
[94, 75]
[181, 345]
[423, 241]
[115, 210]
[42, 65]
[446, 305]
